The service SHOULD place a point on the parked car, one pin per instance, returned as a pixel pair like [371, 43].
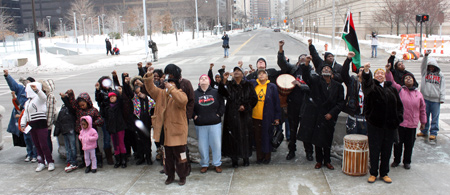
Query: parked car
[247, 29]
[277, 29]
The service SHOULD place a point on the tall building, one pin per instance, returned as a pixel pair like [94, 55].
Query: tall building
[12, 8]
[307, 14]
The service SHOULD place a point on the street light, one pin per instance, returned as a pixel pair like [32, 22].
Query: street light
[103, 23]
[75, 24]
[92, 27]
[120, 22]
[83, 16]
[196, 16]
[49, 28]
[98, 18]
[60, 25]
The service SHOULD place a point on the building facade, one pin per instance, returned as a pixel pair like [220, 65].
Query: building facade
[316, 16]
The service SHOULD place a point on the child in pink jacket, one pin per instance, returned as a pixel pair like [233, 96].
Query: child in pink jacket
[88, 137]
[414, 112]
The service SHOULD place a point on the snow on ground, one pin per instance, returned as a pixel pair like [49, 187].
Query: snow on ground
[132, 49]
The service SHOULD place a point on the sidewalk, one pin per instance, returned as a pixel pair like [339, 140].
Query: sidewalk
[428, 175]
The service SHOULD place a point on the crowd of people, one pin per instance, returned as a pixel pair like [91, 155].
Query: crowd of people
[387, 106]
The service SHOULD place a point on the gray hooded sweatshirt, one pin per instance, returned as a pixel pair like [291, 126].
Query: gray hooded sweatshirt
[432, 84]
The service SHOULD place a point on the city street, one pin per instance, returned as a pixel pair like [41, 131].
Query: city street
[428, 175]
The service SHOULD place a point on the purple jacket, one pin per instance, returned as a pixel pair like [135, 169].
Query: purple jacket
[88, 136]
[413, 104]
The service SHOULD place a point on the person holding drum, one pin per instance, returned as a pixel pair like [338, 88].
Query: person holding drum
[295, 99]
[324, 105]
[265, 114]
[414, 106]
[237, 127]
[384, 113]
[354, 100]
[327, 61]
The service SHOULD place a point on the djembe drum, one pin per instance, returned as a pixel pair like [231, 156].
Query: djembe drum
[284, 83]
[356, 155]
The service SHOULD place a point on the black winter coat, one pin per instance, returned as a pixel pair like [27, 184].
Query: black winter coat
[237, 127]
[209, 107]
[353, 85]
[114, 116]
[319, 64]
[323, 99]
[101, 96]
[382, 105]
[65, 123]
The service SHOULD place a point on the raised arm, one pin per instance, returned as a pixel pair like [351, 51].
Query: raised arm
[345, 69]
[316, 59]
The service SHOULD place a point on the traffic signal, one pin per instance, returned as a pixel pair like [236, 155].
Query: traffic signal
[422, 17]
[40, 33]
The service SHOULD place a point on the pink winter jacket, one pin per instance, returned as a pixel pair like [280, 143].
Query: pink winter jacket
[89, 136]
[413, 104]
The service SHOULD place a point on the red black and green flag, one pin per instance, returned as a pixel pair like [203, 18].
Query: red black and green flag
[351, 39]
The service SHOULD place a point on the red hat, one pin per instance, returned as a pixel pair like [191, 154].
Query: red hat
[111, 94]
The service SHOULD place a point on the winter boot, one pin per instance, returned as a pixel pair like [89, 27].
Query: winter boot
[99, 160]
[140, 160]
[109, 158]
[148, 157]
[118, 159]
[124, 160]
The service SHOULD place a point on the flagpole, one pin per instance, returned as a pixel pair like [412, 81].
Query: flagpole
[339, 44]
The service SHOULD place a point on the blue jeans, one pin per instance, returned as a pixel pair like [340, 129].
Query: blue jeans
[225, 50]
[374, 50]
[106, 137]
[31, 149]
[210, 136]
[433, 108]
[71, 148]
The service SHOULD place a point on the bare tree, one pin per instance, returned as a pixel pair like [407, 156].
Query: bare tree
[6, 25]
[80, 7]
[134, 20]
[391, 13]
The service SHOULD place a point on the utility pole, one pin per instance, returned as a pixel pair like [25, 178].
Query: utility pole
[145, 27]
[36, 41]
[333, 31]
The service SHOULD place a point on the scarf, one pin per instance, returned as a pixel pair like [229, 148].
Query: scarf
[137, 105]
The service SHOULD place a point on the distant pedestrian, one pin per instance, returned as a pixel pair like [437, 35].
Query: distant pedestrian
[108, 47]
[152, 45]
[88, 137]
[225, 44]
[34, 114]
[433, 90]
[374, 44]
[116, 50]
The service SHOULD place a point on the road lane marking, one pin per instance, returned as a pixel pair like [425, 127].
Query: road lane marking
[240, 47]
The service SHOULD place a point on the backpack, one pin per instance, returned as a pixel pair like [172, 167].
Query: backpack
[65, 123]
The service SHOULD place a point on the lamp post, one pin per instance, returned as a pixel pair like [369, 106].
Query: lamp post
[98, 18]
[36, 41]
[145, 27]
[161, 28]
[83, 17]
[49, 27]
[92, 27]
[103, 24]
[196, 16]
[60, 25]
[75, 24]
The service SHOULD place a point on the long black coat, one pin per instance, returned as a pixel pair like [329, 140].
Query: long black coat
[237, 127]
[382, 105]
[323, 99]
